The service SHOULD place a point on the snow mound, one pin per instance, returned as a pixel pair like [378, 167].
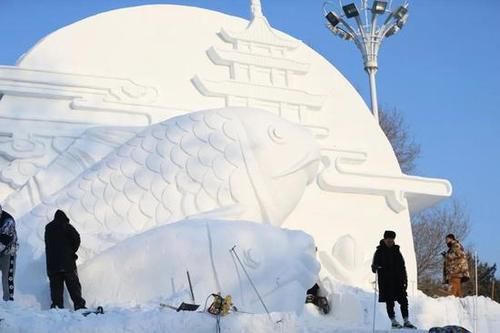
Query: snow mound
[151, 267]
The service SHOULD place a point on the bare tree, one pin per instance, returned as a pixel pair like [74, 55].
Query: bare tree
[430, 228]
[406, 149]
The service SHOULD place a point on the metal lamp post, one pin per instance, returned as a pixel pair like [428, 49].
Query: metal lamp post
[367, 35]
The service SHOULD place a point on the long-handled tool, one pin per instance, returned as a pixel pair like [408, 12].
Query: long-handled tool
[185, 306]
[233, 251]
[375, 300]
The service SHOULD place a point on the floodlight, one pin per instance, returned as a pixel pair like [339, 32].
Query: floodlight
[350, 10]
[338, 31]
[401, 12]
[379, 7]
[402, 22]
[394, 29]
[344, 34]
[366, 33]
[332, 18]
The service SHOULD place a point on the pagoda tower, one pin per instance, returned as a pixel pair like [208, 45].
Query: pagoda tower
[262, 72]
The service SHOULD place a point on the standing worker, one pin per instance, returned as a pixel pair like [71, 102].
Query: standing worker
[389, 265]
[456, 267]
[61, 243]
[8, 249]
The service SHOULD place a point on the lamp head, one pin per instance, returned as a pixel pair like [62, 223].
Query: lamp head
[332, 18]
[401, 12]
[350, 10]
[394, 29]
[379, 7]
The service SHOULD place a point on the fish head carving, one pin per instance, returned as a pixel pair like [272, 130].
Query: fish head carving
[282, 158]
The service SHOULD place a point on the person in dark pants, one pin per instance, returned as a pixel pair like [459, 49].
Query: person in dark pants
[61, 243]
[389, 265]
[8, 249]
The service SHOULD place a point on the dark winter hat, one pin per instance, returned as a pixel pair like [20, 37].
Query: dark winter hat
[389, 234]
[451, 236]
[60, 216]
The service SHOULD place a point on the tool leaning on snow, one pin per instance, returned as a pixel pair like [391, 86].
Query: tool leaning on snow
[184, 306]
[220, 306]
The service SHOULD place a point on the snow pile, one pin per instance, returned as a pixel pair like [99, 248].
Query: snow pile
[152, 266]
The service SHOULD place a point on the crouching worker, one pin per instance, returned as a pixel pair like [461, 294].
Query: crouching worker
[390, 267]
[320, 301]
[61, 243]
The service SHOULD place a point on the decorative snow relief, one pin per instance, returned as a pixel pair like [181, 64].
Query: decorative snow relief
[233, 163]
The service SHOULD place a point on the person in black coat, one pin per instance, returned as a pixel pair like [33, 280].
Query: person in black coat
[389, 265]
[8, 249]
[61, 243]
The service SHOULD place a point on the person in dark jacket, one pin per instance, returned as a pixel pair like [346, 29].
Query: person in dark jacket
[8, 249]
[389, 265]
[61, 243]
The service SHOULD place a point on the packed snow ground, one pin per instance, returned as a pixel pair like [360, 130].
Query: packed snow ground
[351, 312]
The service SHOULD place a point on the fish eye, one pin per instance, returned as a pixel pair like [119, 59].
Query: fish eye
[276, 135]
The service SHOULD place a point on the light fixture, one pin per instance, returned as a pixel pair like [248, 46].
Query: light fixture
[344, 34]
[350, 10]
[379, 7]
[332, 18]
[402, 21]
[367, 34]
[401, 12]
[394, 29]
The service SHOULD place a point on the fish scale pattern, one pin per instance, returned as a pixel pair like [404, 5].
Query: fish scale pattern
[177, 168]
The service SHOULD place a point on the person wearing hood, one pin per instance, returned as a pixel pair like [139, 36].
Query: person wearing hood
[389, 265]
[456, 267]
[61, 243]
[8, 249]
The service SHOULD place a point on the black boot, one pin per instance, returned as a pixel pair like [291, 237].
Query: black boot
[395, 323]
[408, 324]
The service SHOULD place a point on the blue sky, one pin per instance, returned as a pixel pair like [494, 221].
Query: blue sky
[439, 71]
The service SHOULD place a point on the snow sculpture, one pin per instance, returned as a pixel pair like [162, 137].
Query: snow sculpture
[202, 59]
[233, 163]
[152, 266]
[75, 158]
[346, 262]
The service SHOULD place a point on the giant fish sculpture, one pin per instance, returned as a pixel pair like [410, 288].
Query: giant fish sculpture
[232, 163]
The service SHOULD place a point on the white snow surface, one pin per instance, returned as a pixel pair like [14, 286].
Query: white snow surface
[351, 313]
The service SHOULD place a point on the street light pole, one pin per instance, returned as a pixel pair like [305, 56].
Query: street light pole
[373, 91]
[367, 36]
